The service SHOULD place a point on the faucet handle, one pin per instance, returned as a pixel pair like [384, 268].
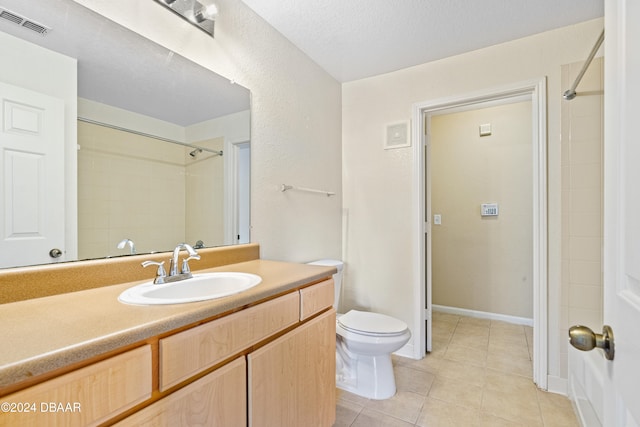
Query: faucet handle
[185, 263]
[160, 274]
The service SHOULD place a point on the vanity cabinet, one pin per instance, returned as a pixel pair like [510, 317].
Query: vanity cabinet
[187, 353]
[84, 397]
[292, 379]
[267, 364]
[217, 399]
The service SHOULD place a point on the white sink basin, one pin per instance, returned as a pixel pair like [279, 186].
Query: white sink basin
[200, 287]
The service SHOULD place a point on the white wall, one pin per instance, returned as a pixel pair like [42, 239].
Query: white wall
[295, 120]
[234, 127]
[377, 183]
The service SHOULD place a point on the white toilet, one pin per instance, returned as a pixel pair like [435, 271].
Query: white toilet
[364, 343]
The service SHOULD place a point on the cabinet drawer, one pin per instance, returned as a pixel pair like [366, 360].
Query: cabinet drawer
[217, 399]
[187, 353]
[316, 298]
[87, 396]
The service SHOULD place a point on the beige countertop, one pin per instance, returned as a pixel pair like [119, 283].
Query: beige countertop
[45, 334]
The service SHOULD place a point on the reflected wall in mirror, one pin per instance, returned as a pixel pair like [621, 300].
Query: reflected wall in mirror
[162, 143]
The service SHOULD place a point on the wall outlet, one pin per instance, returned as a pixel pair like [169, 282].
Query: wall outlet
[437, 219]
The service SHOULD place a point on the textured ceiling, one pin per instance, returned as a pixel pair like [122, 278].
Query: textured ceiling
[353, 39]
[118, 67]
[350, 39]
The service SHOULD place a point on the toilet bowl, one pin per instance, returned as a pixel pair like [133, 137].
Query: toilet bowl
[364, 343]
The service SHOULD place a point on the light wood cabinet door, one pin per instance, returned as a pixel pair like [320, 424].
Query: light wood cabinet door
[85, 397]
[292, 379]
[187, 353]
[217, 400]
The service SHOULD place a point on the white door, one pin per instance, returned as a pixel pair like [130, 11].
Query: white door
[31, 177]
[622, 212]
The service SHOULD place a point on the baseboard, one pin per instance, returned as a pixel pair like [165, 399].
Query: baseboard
[406, 351]
[557, 385]
[584, 410]
[483, 315]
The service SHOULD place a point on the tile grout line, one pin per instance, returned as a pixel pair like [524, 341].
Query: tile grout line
[434, 370]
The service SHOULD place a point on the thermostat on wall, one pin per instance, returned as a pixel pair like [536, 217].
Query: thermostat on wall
[489, 209]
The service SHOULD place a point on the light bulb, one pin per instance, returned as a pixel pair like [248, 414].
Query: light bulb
[207, 13]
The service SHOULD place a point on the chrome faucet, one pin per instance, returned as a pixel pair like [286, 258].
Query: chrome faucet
[124, 242]
[161, 274]
[174, 276]
[173, 269]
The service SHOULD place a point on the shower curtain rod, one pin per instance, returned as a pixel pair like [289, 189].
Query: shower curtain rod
[571, 93]
[148, 135]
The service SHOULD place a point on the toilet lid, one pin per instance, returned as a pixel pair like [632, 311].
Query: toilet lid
[368, 323]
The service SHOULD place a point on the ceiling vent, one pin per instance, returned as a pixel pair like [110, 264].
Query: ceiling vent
[7, 15]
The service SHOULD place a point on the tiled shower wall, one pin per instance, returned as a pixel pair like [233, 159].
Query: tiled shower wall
[151, 192]
[129, 186]
[582, 198]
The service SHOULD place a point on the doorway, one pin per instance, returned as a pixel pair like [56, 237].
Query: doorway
[535, 91]
[244, 199]
[481, 198]
[237, 192]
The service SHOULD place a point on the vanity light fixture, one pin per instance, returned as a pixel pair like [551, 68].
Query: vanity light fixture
[202, 15]
[206, 13]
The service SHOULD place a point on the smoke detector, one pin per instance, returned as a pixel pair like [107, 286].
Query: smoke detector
[7, 15]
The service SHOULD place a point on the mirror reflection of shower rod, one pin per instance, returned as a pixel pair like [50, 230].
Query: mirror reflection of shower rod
[286, 187]
[148, 135]
[571, 93]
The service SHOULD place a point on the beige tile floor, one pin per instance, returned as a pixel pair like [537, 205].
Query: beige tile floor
[479, 374]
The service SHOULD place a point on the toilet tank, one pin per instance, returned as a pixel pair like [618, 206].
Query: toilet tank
[337, 278]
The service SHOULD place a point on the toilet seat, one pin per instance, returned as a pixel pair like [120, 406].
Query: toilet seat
[372, 324]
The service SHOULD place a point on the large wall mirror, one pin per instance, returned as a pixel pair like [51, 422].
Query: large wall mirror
[162, 143]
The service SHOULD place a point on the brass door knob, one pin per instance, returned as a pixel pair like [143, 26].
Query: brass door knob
[585, 339]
